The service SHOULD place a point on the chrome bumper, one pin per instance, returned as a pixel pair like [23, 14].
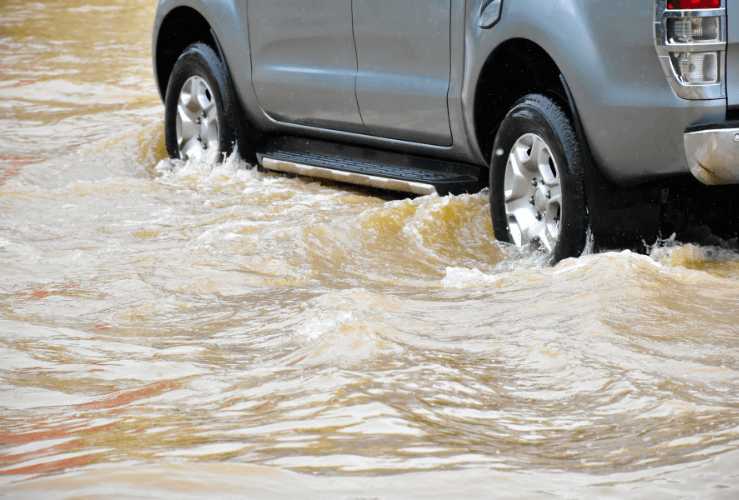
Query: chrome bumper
[713, 155]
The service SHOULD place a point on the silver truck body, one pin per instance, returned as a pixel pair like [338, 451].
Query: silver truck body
[306, 53]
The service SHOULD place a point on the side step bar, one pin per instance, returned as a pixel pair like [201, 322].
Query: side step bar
[361, 179]
[366, 167]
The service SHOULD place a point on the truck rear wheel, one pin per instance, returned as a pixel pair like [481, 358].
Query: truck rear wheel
[537, 193]
[200, 112]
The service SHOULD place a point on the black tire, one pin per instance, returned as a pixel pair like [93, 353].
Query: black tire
[200, 60]
[535, 116]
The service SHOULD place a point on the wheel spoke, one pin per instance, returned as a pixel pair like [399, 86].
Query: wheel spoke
[211, 112]
[514, 230]
[543, 168]
[210, 135]
[211, 128]
[544, 236]
[520, 204]
[192, 149]
[195, 83]
[525, 159]
[517, 182]
[553, 212]
[555, 194]
[209, 104]
[526, 220]
[186, 94]
[538, 151]
[204, 96]
[188, 128]
[552, 220]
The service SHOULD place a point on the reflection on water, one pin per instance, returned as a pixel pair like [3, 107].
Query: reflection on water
[213, 327]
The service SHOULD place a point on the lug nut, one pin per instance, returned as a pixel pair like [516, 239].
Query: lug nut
[538, 216]
[549, 195]
[531, 200]
[533, 182]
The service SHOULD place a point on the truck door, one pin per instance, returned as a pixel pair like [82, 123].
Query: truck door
[404, 64]
[304, 62]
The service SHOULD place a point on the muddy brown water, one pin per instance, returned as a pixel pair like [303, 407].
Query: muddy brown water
[172, 330]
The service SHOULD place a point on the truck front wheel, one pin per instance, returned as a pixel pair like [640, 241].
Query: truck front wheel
[200, 111]
[537, 193]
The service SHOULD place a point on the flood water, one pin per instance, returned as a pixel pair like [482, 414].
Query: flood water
[172, 330]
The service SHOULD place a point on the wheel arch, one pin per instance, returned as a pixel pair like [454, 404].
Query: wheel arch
[179, 28]
[528, 68]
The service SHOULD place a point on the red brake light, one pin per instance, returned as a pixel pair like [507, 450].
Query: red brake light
[693, 4]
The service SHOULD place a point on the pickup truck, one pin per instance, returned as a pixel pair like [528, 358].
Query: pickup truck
[576, 114]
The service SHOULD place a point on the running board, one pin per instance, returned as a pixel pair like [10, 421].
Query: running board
[370, 168]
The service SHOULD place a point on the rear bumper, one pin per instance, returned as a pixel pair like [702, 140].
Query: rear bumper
[712, 151]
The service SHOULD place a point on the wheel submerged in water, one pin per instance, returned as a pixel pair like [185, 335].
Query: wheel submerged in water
[199, 116]
[537, 193]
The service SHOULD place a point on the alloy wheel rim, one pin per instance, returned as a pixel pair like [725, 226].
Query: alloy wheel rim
[533, 193]
[197, 119]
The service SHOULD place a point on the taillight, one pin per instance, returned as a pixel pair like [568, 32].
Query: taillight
[693, 4]
[690, 38]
